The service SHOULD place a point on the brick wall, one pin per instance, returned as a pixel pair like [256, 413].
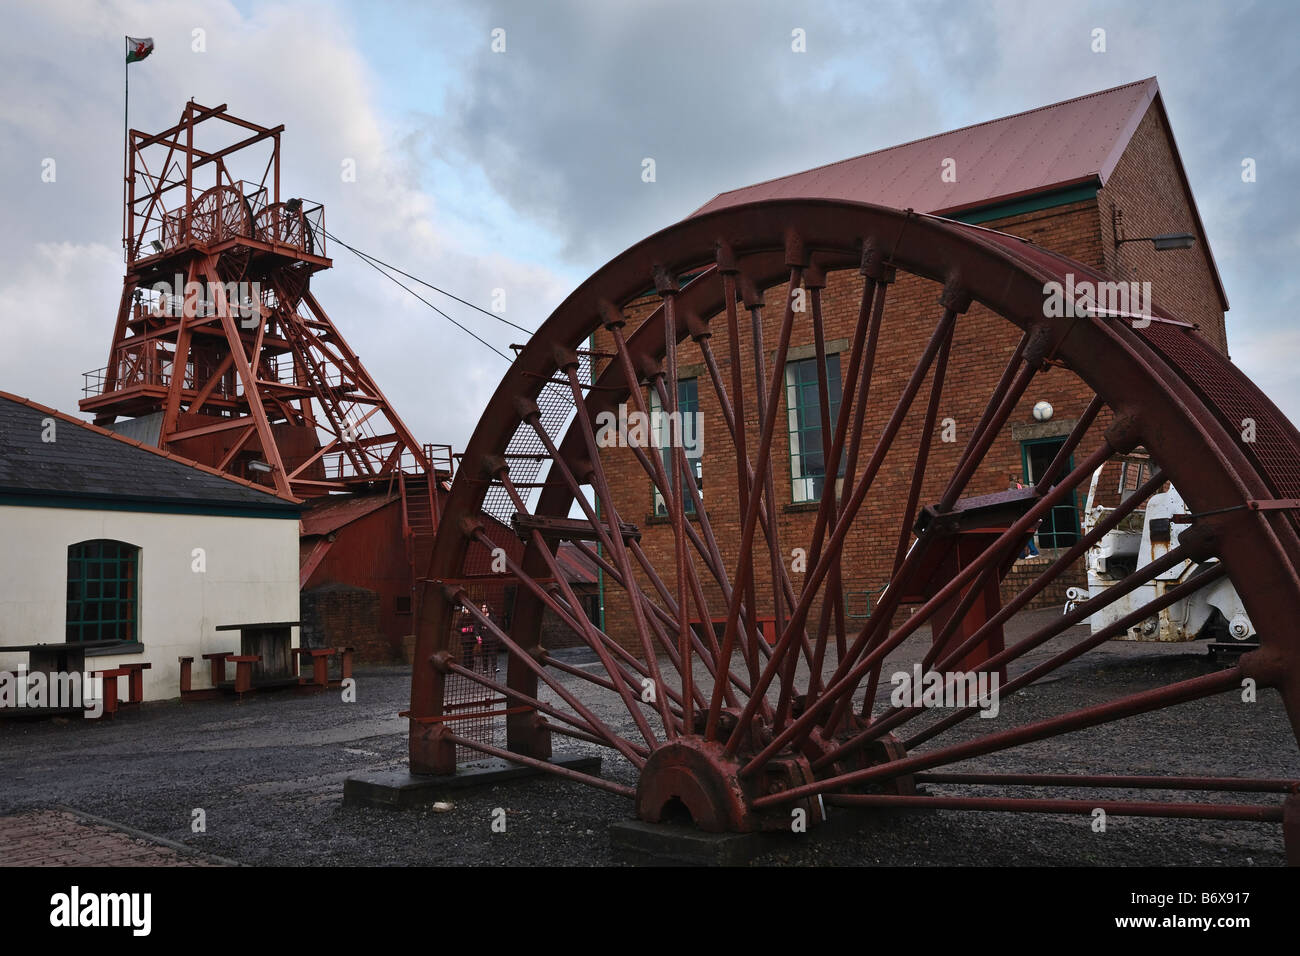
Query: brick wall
[982, 345]
[1147, 188]
[337, 615]
[555, 633]
[1023, 573]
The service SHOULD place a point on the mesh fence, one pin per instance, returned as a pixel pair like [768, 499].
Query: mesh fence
[468, 702]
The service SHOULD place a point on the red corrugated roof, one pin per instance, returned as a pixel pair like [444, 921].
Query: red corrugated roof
[329, 514]
[577, 567]
[1052, 147]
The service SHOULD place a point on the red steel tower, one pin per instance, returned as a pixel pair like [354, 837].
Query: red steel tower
[221, 353]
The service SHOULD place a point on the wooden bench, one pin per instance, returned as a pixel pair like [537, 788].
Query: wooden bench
[320, 660]
[135, 684]
[244, 671]
[187, 677]
[320, 663]
[217, 663]
[242, 684]
[108, 689]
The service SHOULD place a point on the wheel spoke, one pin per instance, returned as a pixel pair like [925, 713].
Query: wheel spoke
[837, 538]
[1035, 640]
[613, 523]
[742, 751]
[667, 285]
[1140, 703]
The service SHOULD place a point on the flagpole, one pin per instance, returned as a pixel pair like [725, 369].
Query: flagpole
[126, 138]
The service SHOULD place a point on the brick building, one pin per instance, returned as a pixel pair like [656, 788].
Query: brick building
[1073, 177]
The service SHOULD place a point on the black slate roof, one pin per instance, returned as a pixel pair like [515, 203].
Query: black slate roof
[86, 462]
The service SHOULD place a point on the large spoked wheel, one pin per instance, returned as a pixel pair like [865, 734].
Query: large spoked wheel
[779, 706]
[220, 213]
[287, 226]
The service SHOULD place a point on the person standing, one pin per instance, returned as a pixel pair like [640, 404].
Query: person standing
[468, 629]
[488, 646]
[1030, 550]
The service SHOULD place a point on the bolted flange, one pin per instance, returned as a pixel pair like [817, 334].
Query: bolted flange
[697, 774]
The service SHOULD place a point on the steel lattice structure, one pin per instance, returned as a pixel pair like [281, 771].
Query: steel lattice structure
[763, 731]
[218, 335]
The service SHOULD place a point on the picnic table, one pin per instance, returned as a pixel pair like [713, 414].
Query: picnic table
[69, 657]
[65, 657]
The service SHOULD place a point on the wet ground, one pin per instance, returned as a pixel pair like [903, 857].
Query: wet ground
[268, 776]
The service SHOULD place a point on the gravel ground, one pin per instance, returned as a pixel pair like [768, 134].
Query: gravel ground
[269, 774]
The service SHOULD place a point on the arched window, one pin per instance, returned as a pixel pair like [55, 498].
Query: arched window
[102, 591]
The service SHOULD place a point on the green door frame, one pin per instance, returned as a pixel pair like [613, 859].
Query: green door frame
[1074, 501]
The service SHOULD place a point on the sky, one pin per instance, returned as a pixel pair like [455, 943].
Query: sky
[521, 170]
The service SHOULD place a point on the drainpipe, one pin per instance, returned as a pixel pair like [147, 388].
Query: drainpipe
[600, 571]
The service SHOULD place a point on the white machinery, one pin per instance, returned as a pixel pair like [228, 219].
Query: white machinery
[1143, 536]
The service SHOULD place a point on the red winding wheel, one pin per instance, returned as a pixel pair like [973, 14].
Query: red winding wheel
[753, 729]
[288, 226]
[220, 213]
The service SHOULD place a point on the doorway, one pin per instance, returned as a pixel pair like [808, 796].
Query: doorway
[1060, 528]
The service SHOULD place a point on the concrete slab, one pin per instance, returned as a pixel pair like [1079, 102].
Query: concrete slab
[668, 844]
[398, 789]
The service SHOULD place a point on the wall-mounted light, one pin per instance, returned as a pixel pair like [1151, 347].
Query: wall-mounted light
[260, 466]
[1165, 241]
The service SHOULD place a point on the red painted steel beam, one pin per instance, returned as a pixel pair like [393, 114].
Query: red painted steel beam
[1230, 784]
[1117, 808]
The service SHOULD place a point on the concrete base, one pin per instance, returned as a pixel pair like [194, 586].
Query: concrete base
[396, 790]
[668, 844]
[671, 844]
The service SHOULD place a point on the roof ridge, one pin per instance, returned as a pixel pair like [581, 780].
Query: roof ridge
[922, 139]
[136, 443]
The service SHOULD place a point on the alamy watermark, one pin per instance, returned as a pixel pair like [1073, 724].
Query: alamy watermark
[951, 690]
[191, 299]
[75, 909]
[58, 689]
[1085, 298]
[653, 429]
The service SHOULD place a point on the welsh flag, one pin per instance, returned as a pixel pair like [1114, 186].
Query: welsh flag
[137, 48]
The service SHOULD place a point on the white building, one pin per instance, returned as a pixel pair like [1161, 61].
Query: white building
[102, 538]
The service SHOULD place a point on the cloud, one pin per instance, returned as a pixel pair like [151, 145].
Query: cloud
[50, 330]
[522, 170]
[559, 124]
[292, 63]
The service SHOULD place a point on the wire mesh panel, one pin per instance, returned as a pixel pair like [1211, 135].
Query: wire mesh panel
[476, 711]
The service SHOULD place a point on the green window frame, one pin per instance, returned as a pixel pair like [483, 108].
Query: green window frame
[688, 403]
[803, 405]
[1060, 528]
[103, 592]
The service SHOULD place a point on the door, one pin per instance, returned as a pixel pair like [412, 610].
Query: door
[1060, 529]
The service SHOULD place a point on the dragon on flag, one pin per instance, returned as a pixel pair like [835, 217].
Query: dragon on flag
[137, 48]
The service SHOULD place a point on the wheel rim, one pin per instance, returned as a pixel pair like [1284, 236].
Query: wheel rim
[748, 761]
[220, 213]
[278, 223]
